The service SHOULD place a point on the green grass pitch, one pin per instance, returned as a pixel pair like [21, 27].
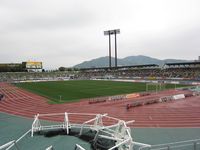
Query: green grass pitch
[74, 90]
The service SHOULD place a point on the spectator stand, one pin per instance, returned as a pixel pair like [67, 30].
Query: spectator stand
[117, 131]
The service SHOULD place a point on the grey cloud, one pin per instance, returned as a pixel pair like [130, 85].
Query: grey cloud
[65, 21]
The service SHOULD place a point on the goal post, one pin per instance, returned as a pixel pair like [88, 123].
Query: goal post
[155, 86]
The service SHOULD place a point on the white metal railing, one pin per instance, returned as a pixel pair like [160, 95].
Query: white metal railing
[37, 126]
[117, 131]
[78, 147]
[13, 143]
[49, 148]
[175, 145]
[7, 145]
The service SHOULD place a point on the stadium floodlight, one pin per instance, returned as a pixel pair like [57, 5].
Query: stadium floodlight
[109, 33]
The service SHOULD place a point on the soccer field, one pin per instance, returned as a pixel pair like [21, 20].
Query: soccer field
[74, 90]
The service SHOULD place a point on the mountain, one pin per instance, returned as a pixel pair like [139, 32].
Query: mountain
[127, 61]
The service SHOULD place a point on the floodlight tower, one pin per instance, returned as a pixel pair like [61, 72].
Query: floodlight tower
[109, 33]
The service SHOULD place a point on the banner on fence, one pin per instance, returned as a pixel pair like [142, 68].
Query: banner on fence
[133, 95]
[179, 96]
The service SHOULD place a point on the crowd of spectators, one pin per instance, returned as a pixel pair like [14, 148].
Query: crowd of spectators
[25, 76]
[191, 73]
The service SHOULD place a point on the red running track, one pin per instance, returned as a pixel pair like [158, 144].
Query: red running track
[181, 113]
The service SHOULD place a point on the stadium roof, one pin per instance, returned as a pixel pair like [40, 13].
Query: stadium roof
[184, 63]
[122, 67]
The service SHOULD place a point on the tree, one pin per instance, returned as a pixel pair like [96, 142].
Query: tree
[61, 69]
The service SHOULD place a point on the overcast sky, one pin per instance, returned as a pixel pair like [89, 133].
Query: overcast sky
[67, 32]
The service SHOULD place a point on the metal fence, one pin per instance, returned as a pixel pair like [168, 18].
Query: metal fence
[182, 145]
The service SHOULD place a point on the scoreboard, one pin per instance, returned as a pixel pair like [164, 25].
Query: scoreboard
[32, 65]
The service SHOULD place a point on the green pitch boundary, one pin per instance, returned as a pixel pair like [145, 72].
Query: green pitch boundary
[74, 90]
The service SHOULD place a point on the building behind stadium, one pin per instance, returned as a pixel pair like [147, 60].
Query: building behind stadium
[28, 66]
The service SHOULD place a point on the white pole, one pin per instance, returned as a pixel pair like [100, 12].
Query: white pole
[60, 97]
[7, 144]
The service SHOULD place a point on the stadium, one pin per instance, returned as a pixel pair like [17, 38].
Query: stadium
[71, 80]
[102, 108]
